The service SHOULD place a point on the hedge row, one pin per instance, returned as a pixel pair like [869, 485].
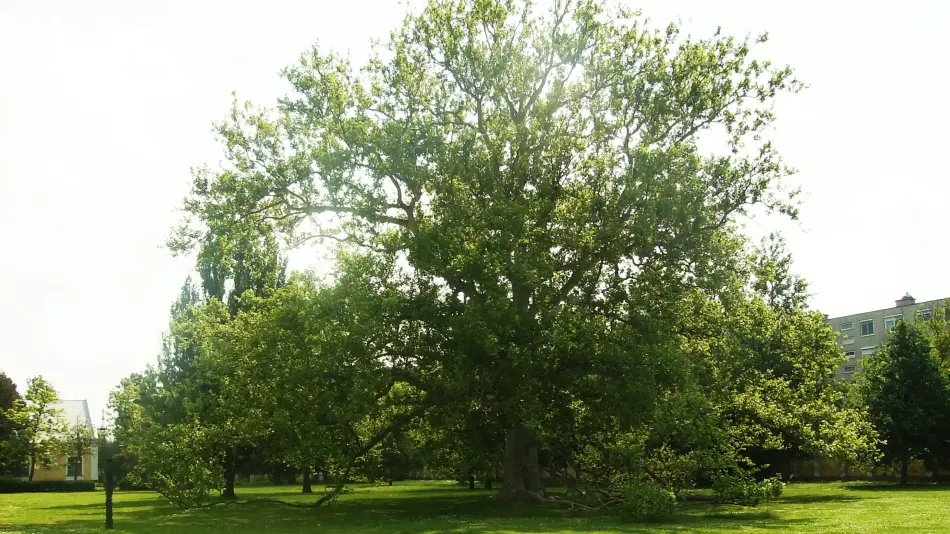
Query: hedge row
[125, 485]
[24, 486]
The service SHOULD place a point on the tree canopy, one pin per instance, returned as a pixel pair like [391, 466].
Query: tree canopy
[908, 396]
[78, 438]
[539, 259]
[12, 459]
[40, 425]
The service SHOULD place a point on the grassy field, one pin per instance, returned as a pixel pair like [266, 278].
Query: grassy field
[446, 507]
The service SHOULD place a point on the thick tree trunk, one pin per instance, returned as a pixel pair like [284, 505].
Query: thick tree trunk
[515, 461]
[533, 472]
[229, 473]
[229, 485]
[905, 465]
[306, 481]
[522, 478]
[471, 481]
[32, 466]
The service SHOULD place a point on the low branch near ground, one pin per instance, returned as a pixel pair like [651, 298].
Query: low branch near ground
[571, 503]
[399, 422]
[327, 496]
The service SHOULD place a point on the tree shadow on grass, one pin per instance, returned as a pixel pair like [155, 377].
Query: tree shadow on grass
[459, 512]
[144, 503]
[473, 513]
[466, 519]
[894, 487]
[433, 525]
[815, 499]
[758, 515]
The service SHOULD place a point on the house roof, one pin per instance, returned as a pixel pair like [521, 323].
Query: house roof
[76, 410]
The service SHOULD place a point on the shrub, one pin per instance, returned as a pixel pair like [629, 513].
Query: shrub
[127, 485]
[647, 500]
[173, 460]
[729, 488]
[774, 487]
[24, 486]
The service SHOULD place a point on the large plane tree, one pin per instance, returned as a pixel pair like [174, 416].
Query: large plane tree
[537, 177]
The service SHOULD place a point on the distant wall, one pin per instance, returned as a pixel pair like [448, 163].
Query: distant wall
[810, 469]
[59, 471]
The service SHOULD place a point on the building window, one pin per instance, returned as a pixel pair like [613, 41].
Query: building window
[891, 321]
[851, 365]
[926, 314]
[74, 466]
[846, 326]
[867, 351]
[867, 327]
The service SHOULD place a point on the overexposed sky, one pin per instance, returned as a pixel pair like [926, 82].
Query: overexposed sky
[106, 105]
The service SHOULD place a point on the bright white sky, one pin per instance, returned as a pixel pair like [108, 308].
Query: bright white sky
[105, 105]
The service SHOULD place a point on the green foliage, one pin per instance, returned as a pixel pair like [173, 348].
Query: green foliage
[742, 489]
[185, 398]
[773, 279]
[39, 425]
[12, 457]
[36, 486]
[178, 459]
[77, 440]
[173, 461]
[646, 501]
[908, 395]
[306, 377]
[536, 258]
[785, 393]
[8, 398]
[127, 485]
[937, 332]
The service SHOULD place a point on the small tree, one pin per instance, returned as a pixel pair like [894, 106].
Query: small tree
[937, 331]
[41, 424]
[907, 396]
[12, 457]
[78, 440]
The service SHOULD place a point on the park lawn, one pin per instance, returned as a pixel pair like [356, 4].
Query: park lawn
[446, 507]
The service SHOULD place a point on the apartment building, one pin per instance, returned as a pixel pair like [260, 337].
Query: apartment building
[862, 333]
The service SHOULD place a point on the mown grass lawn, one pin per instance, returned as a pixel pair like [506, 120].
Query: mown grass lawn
[445, 507]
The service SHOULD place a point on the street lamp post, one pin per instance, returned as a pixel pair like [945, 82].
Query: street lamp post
[109, 478]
